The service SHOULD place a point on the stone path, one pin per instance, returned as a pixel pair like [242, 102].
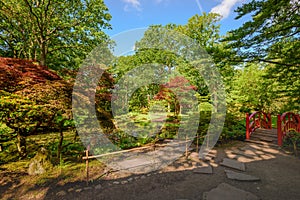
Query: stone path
[236, 159]
[234, 164]
[225, 191]
[240, 176]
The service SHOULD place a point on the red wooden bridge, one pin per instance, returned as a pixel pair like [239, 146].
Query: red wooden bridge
[259, 127]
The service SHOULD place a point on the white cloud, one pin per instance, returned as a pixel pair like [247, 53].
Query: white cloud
[132, 4]
[225, 7]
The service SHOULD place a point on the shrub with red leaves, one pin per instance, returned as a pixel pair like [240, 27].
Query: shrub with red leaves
[17, 74]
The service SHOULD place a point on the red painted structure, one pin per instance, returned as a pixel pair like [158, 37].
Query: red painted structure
[286, 122]
[258, 119]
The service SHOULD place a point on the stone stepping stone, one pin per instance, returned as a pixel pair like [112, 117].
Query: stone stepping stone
[203, 170]
[240, 176]
[233, 164]
[263, 144]
[61, 193]
[239, 157]
[194, 156]
[263, 138]
[247, 153]
[225, 191]
[98, 187]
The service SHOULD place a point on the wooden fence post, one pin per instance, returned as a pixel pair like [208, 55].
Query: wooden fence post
[298, 118]
[186, 147]
[197, 142]
[279, 130]
[87, 164]
[247, 126]
[270, 120]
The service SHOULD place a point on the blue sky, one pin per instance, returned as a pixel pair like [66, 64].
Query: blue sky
[131, 14]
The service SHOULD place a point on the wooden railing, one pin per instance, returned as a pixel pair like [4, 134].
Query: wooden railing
[258, 119]
[286, 122]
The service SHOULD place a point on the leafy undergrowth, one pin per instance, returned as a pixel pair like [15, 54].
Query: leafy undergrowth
[14, 177]
[71, 168]
[68, 168]
[72, 147]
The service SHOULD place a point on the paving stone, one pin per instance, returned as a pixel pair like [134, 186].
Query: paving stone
[194, 156]
[270, 150]
[233, 164]
[61, 193]
[225, 191]
[260, 153]
[262, 144]
[267, 157]
[203, 170]
[98, 187]
[214, 164]
[247, 160]
[240, 176]
[78, 190]
[247, 153]
[186, 165]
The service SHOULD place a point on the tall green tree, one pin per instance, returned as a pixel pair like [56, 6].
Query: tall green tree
[272, 36]
[251, 91]
[202, 30]
[55, 33]
[168, 45]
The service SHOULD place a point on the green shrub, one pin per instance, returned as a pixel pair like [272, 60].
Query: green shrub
[292, 138]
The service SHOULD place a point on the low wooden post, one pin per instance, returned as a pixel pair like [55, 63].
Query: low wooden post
[298, 118]
[270, 120]
[197, 142]
[186, 147]
[87, 164]
[279, 130]
[247, 126]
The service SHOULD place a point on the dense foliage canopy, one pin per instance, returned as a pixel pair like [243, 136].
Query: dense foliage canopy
[55, 33]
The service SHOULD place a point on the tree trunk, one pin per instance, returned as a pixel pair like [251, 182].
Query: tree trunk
[21, 145]
[43, 54]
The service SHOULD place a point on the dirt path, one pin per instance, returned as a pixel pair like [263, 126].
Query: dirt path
[279, 175]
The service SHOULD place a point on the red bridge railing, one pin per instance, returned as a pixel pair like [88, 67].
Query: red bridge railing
[258, 119]
[286, 122]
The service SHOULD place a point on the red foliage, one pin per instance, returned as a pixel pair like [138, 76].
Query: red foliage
[176, 84]
[17, 74]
